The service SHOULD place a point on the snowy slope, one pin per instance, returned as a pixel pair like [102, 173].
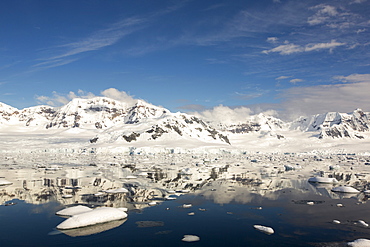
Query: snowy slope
[104, 123]
[171, 126]
[336, 125]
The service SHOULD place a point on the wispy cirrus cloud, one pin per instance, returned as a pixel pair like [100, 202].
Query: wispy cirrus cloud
[66, 53]
[112, 34]
[289, 48]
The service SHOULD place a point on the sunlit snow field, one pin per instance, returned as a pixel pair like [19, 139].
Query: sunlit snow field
[216, 197]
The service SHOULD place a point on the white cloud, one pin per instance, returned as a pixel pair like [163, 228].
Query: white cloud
[354, 78]
[324, 12]
[118, 95]
[295, 81]
[325, 98]
[289, 48]
[283, 77]
[226, 115]
[58, 99]
[320, 46]
[285, 49]
[272, 39]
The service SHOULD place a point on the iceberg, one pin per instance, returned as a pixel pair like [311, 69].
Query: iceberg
[345, 189]
[190, 238]
[120, 190]
[361, 242]
[4, 182]
[73, 210]
[322, 180]
[96, 216]
[264, 229]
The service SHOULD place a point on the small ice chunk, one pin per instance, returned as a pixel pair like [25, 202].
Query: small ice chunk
[120, 190]
[310, 203]
[345, 189]
[322, 180]
[152, 203]
[361, 242]
[264, 229]
[339, 205]
[96, 216]
[187, 205]
[336, 221]
[3, 181]
[73, 210]
[363, 223]
[67, 196]
[190, 238]
[191, 213]
[131, 177]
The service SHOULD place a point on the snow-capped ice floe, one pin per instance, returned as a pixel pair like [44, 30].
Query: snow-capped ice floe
[264, 229]
[190, 238]
[336, 221]
[322, 180]
[96, 216]
[73, 210]
[361, 242]
[345, 189]
[120, 190]
[4, 182]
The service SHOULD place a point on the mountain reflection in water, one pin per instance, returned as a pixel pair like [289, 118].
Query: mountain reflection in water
[239, 191]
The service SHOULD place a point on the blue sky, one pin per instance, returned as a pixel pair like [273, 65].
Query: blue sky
[295, 57]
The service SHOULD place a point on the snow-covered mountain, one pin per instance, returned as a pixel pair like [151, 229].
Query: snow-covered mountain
[335, 124]
[260, 123]
[118, 121]
[98, 121]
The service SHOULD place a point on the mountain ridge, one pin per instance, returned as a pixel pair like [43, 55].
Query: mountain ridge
[117, 121]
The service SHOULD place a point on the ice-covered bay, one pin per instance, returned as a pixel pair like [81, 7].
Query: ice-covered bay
[258, 185]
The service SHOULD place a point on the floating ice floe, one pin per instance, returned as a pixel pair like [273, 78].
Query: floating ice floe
[73, 210]
[190, 238]
[93, 229]
[322, 180]
[96, 216]
[4, 182]
[361, 242]
[67, 196]
[264, 229]
[131, 177]
[187, 205]
[152, 203]
[363, 223]
[310, 203]
[345, 189]
[120, 190]
[336, 221]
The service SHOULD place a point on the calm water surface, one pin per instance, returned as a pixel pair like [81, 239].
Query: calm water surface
[224, 213]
